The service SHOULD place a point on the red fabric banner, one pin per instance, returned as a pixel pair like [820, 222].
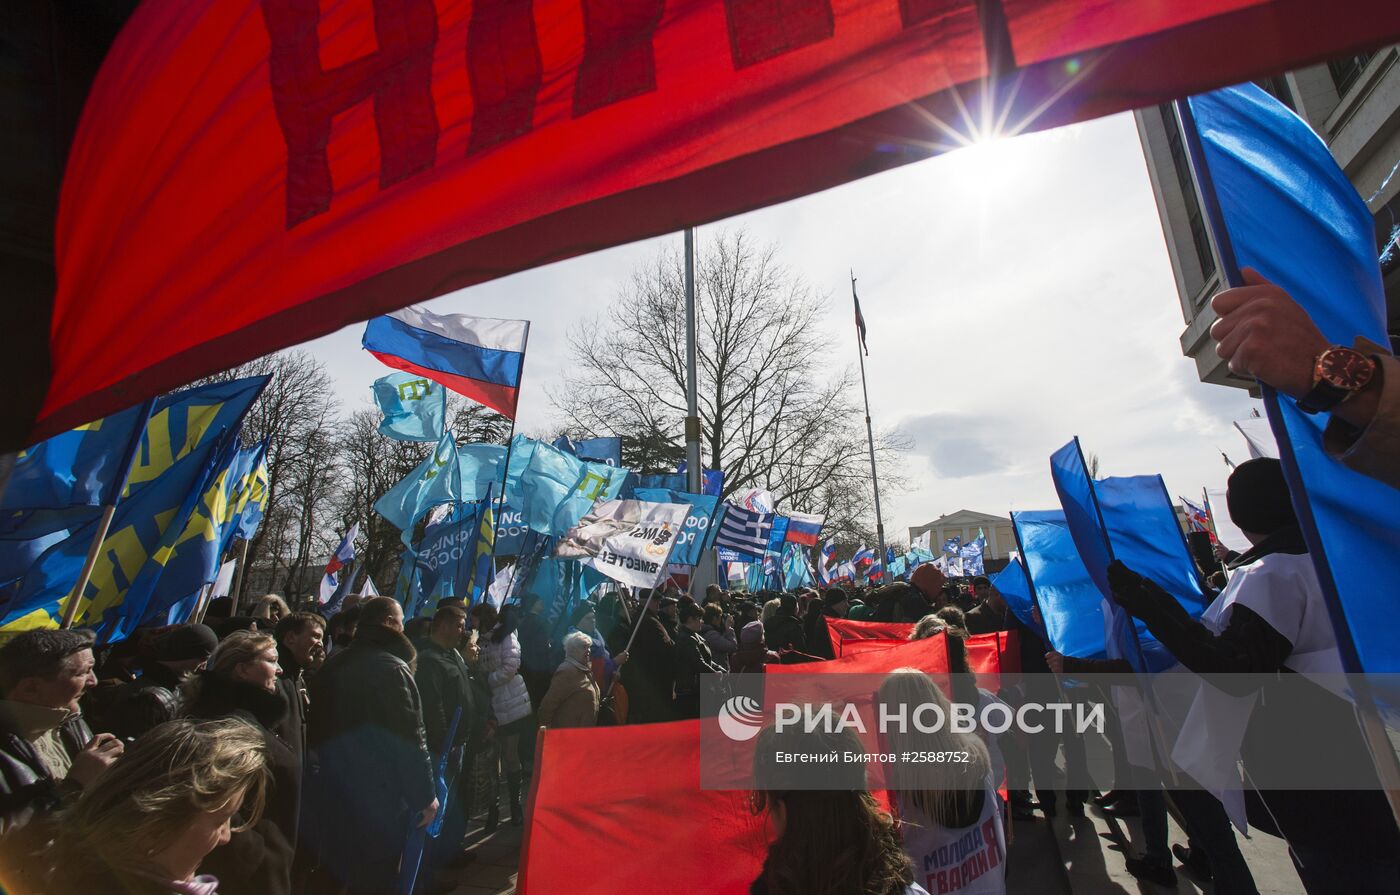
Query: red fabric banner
[856, 647]
[616, 809]
[847, 629]
[249, 174]
[929, 655]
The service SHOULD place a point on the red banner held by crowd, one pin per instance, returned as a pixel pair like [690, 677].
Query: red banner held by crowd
[614, 804]
[249, 174]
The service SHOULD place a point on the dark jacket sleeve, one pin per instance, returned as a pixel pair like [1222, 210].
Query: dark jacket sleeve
[1249, 645]
[402, 715]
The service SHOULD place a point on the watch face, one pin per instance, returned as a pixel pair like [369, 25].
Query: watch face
[1345, 368]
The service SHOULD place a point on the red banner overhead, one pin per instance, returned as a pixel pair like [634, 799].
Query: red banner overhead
[248, 175]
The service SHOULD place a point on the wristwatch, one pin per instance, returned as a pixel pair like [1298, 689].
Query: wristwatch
[1338, 373]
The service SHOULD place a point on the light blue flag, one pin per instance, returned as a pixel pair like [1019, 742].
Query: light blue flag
[414, 407]
[1277, 201]
[553, 489]
[438, 479]
[796, 572]
[695, 535]
[482, 468]
[1070, 603]
[130, 561]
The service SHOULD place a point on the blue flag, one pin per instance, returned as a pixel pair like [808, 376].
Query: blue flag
[446, 559]
[83, 467]
[130, 561]
[778, 535]
[1286, 209]
[414, 407]
[1015, 588]
[187, 420]
[1070, 603]
[438, 479]
[607, 451]
[1130, 519]
[251, 496]
[696, 534]
[198, 551]
[796, 572]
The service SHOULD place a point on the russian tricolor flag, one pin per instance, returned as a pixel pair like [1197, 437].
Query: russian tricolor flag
[479, 357]
[804, 528]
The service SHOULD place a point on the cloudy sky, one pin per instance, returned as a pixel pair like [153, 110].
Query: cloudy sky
[1017, 293]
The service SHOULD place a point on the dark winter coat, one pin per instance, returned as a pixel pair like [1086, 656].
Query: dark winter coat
[784, 631]
[650, 672]
[130, 708]
[292, 685]
[259, 859]
[444, 684]
[368, 756]
[693, 658]
[27, 789]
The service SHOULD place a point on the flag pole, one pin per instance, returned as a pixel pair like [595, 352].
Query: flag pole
[869, 430]
[510, 446]
[75, 596]
[236, 591]
[694, 472]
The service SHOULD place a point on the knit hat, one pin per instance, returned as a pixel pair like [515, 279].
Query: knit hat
[833, 596]
[752, 633]
[1257, 496]
[186, 642]
[928, 580]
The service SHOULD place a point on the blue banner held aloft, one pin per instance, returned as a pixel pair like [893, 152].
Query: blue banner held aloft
[1070, 603]
[1130, 519]
[1277, 201]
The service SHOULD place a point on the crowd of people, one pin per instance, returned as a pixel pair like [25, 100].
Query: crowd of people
[283, 752]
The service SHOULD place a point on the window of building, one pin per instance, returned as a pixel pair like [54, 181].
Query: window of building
[1347, 71]
[1199, 235]
[1277, 87]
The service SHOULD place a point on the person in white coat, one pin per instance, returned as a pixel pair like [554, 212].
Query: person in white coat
[510, 703]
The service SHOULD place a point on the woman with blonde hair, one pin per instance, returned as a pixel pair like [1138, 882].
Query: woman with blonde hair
[240, 682]
[145, 826]
[949, 811]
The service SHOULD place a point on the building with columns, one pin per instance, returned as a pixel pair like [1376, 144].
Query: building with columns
[1001, 541]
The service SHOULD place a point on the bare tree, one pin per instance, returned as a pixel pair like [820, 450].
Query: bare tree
[772, 414]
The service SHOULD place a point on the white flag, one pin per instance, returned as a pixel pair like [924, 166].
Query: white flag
[1258, 436]
[224, 582]
[627, 540]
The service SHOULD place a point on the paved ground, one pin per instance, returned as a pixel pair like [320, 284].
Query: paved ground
[498, 857]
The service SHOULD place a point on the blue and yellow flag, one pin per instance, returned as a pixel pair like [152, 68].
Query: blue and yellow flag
[80, 467]
[129, 562]
[251, 494]
[199, 548]
[186, 420]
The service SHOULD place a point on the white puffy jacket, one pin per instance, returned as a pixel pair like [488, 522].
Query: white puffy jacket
[510, 701]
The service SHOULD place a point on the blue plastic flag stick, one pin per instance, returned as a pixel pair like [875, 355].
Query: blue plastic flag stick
[418, 837]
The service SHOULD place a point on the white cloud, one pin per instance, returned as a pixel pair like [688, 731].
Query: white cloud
[1017, 294]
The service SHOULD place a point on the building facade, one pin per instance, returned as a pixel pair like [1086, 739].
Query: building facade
[1353, 103]
[966, 524]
